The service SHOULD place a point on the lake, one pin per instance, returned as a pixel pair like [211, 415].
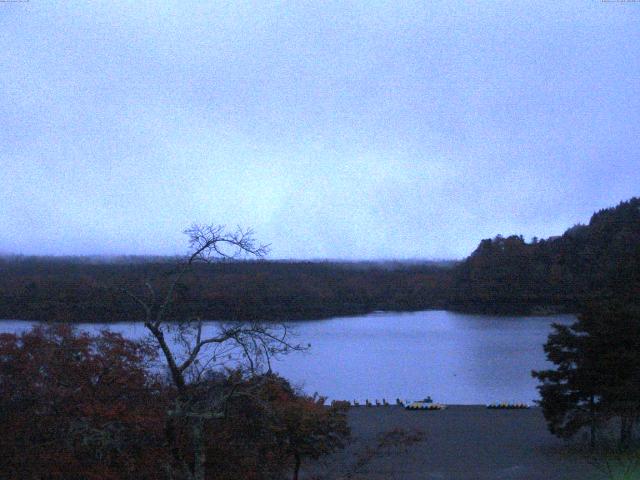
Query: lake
[453, 357]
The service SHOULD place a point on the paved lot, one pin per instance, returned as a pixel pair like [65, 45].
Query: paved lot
[459, 443]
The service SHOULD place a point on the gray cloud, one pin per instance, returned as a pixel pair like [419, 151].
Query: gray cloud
[350, 130]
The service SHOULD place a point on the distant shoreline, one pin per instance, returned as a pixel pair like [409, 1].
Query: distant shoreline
[484, 312]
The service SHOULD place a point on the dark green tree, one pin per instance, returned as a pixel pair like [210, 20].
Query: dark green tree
[597, 374]
[569, 397]
[613, 335]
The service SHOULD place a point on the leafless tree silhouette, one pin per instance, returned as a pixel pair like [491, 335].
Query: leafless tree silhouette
[247, 347]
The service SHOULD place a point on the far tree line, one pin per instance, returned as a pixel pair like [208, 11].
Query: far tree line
[503, 275]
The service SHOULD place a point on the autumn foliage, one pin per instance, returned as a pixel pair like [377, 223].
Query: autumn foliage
[270, 432]
[77, 406]
[80, 406]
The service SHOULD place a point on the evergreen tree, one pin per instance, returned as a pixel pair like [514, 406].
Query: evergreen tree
[597, 374]
[569, 397]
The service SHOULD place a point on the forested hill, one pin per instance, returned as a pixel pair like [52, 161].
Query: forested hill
[511, 275]
[503, 275]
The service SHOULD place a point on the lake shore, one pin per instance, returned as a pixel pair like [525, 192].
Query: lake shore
[462, 442]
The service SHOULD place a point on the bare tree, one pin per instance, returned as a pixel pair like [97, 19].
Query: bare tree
[247, 347]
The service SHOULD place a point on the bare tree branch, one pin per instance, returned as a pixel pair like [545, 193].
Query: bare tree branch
[139, 301]
[197, 400]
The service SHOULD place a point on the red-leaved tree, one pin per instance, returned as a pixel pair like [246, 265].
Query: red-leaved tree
[78, 406]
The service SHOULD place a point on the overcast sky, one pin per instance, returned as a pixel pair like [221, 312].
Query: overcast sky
[352, 130]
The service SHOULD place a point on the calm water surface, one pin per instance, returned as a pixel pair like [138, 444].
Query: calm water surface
[455, 358]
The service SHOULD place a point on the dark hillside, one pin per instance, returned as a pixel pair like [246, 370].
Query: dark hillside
[598, 259]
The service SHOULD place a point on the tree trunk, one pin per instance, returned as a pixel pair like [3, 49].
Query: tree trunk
[626, 426]
[296, 469]
[592, 412]
[199, 449]
[176, 374]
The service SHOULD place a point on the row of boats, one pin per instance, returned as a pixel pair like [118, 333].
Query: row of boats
[428, 404]
[508, 406]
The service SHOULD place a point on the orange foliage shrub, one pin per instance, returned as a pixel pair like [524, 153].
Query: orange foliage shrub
[76, 406]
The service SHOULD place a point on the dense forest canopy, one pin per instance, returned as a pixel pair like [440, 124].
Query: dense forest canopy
[597, 259]
[72, 290]
[503, 275]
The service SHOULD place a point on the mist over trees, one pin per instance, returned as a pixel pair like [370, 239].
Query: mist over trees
[503, 275]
